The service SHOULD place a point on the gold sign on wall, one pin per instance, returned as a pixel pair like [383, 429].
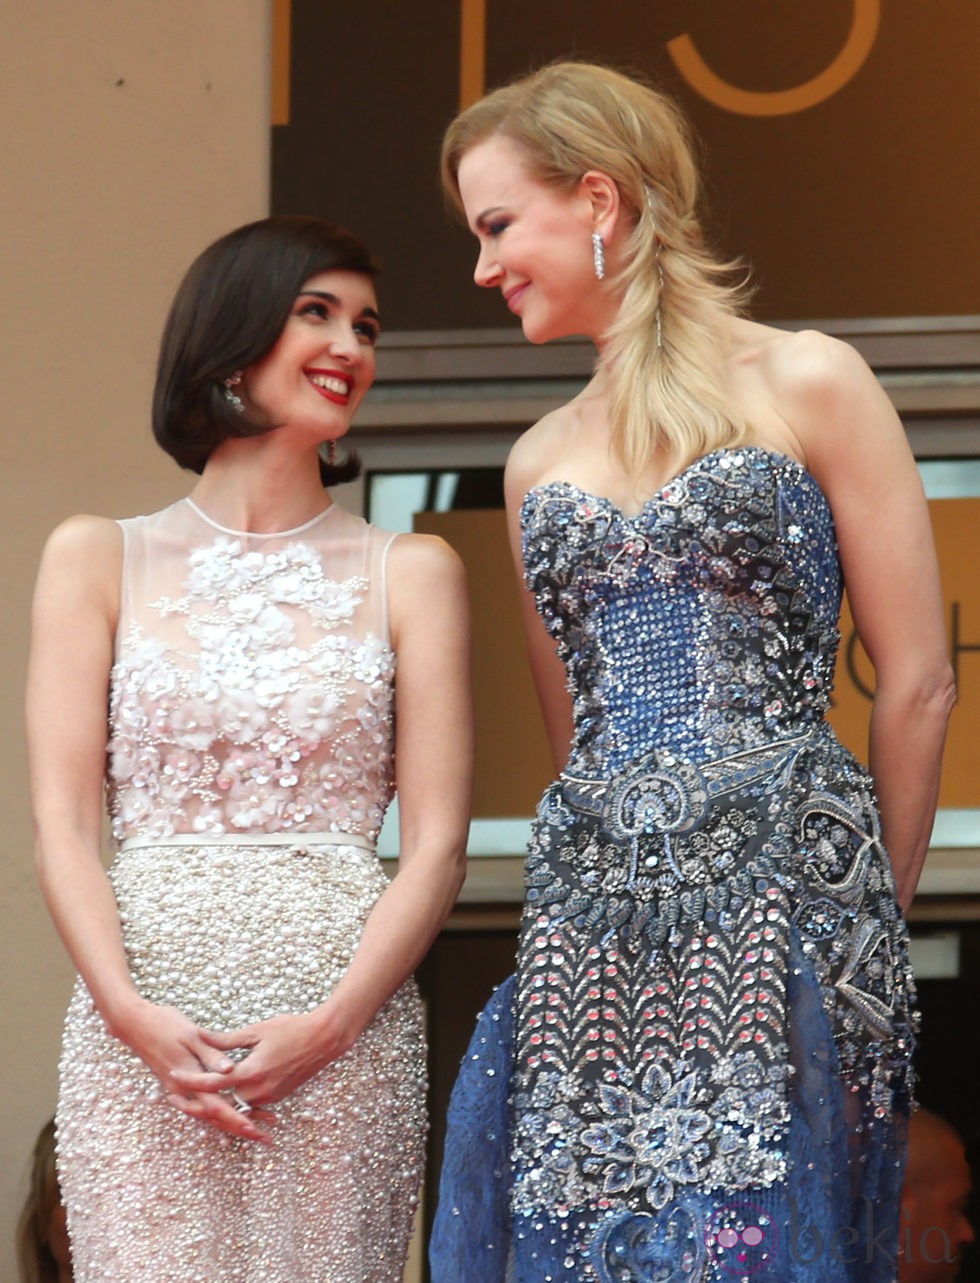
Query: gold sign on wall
[692, 66]
[781, 102]
[281, 79]
[956, 523]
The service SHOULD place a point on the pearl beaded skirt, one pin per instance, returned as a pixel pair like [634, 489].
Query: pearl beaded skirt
[231, 935]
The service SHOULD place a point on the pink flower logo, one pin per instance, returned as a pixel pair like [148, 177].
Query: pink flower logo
[741, 1238]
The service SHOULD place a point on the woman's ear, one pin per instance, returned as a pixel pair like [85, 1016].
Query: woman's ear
[603, 195]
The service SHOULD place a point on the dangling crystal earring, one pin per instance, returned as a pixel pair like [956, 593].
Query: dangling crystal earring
[598, 256]
[331, 449]
[231, 396]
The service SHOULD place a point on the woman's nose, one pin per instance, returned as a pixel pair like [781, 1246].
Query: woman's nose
[487, 271]
[346, 346]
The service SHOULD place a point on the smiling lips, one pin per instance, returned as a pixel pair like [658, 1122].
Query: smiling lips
[513, 296]
[332, 384]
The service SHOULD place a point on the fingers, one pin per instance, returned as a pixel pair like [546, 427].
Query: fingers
[218, 1110]
[209, 1074]
[230, 1040]
[201, 1080]
[250, 1082]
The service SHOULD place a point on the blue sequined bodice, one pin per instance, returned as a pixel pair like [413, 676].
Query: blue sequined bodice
[707, 623]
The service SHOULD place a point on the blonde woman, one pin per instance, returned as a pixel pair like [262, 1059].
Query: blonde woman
[706, 1047]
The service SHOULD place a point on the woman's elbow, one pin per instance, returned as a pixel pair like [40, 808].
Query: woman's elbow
[929, 692]
[946, 693]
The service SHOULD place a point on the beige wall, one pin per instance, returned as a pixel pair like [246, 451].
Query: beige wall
[133, 134]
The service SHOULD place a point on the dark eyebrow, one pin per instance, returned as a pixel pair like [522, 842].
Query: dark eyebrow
[335, 302]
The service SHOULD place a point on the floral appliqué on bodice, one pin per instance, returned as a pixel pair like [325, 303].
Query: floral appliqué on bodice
[254, 694]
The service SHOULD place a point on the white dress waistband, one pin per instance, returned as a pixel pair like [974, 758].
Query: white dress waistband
[298, 841]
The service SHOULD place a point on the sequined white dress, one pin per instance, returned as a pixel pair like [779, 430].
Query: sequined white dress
[249, 768]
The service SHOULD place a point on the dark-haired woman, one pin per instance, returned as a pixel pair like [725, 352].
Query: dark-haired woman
[242, 1077]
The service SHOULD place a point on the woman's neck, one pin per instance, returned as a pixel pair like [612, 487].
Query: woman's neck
[250, 484]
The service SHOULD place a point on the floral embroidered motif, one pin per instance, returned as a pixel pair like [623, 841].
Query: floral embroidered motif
[652, 1139]
[707, 868]
[668, 1248]
[261, 711]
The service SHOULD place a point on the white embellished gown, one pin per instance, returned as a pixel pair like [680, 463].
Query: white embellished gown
[249, 767]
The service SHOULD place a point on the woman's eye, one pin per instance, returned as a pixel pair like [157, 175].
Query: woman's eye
[367, 331]
[496, 229]
[319, 310]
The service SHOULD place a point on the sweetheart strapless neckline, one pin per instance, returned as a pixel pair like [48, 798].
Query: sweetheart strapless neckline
[774, 456]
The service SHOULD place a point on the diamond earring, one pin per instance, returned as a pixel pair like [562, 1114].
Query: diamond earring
[231, 396]
[598, 256]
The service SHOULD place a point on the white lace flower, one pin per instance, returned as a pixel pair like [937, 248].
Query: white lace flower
[270, 689]
[331, 659]
[209, 819]
[180, 766]
[254, 623]
[335, 603]
[193, 725]
[216, 569]
[370, 660]
[124, 754]
[257, 809]
[134, 806]
[313, 709]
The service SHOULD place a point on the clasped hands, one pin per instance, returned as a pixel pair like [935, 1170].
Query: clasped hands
[202, 1080]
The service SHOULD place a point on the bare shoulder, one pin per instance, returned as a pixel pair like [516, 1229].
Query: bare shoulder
[806, 363]
[85, 546]
[534, 452]
[79, 576]
[427, 596]
[819, 386]
[422, 558]
[820, 392]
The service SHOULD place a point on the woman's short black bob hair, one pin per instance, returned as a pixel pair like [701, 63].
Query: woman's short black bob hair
[229, 311]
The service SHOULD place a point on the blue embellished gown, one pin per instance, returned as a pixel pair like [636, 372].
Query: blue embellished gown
[701, 1070]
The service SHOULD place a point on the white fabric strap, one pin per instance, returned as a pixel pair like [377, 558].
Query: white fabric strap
[300, 841]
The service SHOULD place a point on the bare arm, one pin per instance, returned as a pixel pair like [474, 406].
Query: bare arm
[856, 448]
[548, 671]
[75, 607]
[73, 626]
[434, 766]
[434, 769]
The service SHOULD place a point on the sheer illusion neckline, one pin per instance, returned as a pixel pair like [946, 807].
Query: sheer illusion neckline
[256, 534]
[774, 456]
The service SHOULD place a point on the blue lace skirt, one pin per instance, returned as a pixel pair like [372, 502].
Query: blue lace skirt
[704, 1080]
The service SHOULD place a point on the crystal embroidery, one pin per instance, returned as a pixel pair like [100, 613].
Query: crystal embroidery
[713, 1008]
[251, 697]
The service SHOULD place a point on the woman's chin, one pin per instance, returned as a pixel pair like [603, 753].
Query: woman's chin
[538, 332]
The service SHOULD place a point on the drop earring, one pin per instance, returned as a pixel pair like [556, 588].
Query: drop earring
[598, 256]
[231, 396]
